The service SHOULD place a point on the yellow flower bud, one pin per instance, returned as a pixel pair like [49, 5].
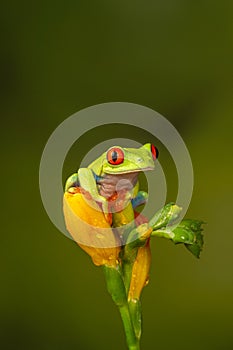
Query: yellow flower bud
[90, 229]
[140, 272]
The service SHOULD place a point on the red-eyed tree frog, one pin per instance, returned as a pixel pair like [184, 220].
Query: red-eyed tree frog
[116, 172]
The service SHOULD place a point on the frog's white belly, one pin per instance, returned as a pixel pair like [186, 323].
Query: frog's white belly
[111, 184]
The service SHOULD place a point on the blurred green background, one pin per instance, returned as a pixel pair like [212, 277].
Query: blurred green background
[58, 57]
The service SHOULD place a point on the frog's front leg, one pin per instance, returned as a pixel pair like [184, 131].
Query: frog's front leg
[86, 179]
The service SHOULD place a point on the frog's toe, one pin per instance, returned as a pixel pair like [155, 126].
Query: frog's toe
[73, 190]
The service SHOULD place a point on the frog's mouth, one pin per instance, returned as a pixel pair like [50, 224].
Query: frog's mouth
[110, 184]
[139, 170]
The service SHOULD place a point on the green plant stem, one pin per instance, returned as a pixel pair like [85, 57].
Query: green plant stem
[116, 289]
[127, 274]
[136, 316]
[132, 341]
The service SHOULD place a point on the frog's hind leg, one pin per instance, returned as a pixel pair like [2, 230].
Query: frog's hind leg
[141, 198]
[71, 182]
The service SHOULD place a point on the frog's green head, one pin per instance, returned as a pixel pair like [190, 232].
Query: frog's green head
[118, 160]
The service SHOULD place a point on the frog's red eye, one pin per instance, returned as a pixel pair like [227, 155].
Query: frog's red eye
[115, 156]
[154, 151]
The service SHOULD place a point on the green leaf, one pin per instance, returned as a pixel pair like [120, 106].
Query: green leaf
[194, 225]
[188, 232]
[183, 235]
[136, 238]
[168, 214]
[193, 229]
